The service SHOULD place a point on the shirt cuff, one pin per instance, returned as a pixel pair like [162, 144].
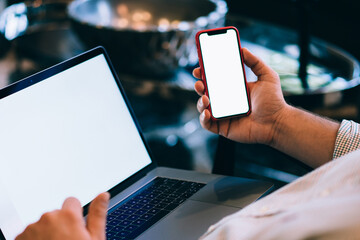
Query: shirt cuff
[347, 139]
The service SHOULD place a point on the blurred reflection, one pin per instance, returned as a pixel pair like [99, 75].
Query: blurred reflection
[14, 21]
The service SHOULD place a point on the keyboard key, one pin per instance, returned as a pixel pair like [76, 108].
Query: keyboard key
[125, 223]
[152, 195]
[123, 216]
[141, 212]
[131, 228]
[146, 216]
[161, 205]
[110, 234]
[123, 233]
[145, 201]
[114, 238]
[117, 229]
[168, 200]
[133, 217]
[130, 211]
[139, 222]
[137, 206]
[155, 201]
[154, 211]
[147, 206]
[117, 212]
[156, 217]
[114, 223]
[140, 197]
[125, 207]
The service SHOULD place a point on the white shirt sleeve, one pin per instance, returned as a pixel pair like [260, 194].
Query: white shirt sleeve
[324, 204]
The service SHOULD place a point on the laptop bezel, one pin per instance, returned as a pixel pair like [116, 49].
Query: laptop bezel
[45, 74]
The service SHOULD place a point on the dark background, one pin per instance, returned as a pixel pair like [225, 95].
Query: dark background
[335, 21]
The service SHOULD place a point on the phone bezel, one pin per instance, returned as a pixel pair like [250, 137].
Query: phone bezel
[216, 31]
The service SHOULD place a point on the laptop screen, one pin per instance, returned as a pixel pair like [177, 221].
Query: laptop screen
[68, 135]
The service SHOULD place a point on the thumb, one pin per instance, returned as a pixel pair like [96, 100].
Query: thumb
[96, 219]
[259, 68]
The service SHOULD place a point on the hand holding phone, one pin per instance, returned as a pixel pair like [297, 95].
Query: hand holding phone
[222, 68]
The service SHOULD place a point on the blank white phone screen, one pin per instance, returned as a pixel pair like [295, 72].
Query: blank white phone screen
[224, 73]
[69, 135]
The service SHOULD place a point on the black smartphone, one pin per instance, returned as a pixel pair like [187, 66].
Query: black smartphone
[222, 69]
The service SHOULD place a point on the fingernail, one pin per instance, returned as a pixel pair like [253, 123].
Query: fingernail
[107, 194]
[202, 116]
[105, 198]
[201, 104]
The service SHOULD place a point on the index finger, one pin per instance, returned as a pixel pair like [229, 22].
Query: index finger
[199, 88]
[96, 220]
[197, 73]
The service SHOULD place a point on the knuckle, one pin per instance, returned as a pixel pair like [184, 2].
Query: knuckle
[47, 217]
[99, 212]
[29, 231]
[69, 215]
[30, 228]
[275, 74]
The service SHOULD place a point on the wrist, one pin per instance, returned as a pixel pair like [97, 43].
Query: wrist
[304, 136]
[281, 121]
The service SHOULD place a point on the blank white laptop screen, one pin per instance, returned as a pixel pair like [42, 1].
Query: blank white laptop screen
[69, 135]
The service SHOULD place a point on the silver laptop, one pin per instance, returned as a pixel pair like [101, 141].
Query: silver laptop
[70, 131]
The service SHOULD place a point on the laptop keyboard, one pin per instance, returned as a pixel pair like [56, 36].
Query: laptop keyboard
[134, 215]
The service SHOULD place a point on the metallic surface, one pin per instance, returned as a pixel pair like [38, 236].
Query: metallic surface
[220, 197]
[40, 30]
[151, 38]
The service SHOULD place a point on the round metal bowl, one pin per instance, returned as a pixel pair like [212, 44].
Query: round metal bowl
[333, 75]
[150, 38]
[39, 30]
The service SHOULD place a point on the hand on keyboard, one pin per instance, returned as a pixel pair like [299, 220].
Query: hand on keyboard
[68, 222]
